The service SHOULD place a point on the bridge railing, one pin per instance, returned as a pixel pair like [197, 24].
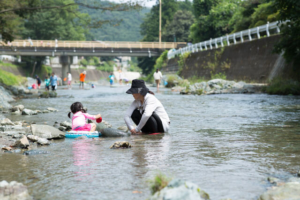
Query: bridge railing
[94, 44]
[246, 35]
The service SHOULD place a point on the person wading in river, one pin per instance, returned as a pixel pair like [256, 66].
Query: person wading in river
[146, 111]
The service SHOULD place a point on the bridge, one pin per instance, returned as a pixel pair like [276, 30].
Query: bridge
[86, 48]
[67, 50]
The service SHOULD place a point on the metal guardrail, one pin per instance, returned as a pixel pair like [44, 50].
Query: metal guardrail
[92, 44]
[232, 38]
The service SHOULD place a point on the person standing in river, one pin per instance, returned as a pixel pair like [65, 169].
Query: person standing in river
[38, 81]
[81, 79]
[69, 80]
[157, 77]
[146, 111]
[53, 81]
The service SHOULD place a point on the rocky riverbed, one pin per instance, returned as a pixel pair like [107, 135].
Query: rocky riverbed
[220, 86]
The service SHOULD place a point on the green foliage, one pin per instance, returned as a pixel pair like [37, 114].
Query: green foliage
[133, 67]
[84, 62]
[218, 75]
[107, 66]
[159, 182]
[9, 79]
[172, 81]
[161, 61]
[177, 30]
[263, 13]
[182, 59]
[195, 79]
[283, 87]
[117, 26]
[290, 42]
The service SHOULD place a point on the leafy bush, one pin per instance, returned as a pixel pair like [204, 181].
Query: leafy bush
[107, 67]
[283, 86]
[159, 182]
[161, 61]
[194, 79]
[84, 62]
[218, 76]
[172, 81]
[8, 78]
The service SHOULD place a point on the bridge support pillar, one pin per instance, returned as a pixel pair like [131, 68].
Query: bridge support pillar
[65, 62]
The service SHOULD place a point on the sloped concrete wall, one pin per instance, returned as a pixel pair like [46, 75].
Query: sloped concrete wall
[248, 61]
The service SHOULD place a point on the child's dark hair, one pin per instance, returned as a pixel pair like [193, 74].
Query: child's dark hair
[76, 107]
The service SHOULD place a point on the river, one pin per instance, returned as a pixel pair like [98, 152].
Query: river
[227, 144]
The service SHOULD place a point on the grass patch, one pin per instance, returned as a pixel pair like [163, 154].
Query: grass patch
[195, 79]
[9, 79]
[283, 87]
[218, 76]
[159, 182]
[7, 64]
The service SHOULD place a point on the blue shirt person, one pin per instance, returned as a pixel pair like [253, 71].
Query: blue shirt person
[53, 81]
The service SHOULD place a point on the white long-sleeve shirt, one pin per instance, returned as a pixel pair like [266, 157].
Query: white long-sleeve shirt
[157, 75]
[151, 104]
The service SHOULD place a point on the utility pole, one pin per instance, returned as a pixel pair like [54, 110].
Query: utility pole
[159, 21]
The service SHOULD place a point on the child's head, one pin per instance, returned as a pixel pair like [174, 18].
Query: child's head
[76, 107]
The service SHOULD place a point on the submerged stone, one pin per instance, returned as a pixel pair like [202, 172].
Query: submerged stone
[110, 132]
[180, 190]
[35, 152]
[121, 145]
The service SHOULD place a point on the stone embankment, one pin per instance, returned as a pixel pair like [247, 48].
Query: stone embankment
[219, 86]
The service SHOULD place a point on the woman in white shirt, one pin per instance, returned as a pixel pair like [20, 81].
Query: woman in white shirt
[146, 111]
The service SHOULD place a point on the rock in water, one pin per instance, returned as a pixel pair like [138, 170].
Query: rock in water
[13, 191]
[100, 127]
[43, 141]
[110, 132]
[28, 112]
[32, 138]
[22, 143]
[180, 190]
[34, 152]
[45, 131]
[66, 124]
[123, 128]
[121, 145]
[6, 121]
[52, 109]
[289, 190]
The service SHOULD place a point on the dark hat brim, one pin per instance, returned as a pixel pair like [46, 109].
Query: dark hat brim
[142, 91]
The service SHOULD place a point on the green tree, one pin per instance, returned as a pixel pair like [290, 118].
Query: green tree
[290, 41]
[179, 27]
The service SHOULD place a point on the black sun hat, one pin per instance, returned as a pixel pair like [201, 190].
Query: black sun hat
[138, 86]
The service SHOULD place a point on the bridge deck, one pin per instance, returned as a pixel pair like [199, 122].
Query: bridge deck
[94, 44]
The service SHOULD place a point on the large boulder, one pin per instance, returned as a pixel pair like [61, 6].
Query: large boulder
[13, 191]
[45, 131]
[289, 190]
[180, 190]
[18, 107]
[111, 132]
[67, 125]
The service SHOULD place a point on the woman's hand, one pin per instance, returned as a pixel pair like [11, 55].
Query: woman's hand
[133, 131]
[97, 116]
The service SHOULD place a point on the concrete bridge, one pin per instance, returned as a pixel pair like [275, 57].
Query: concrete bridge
[86, 48]
[68, 50]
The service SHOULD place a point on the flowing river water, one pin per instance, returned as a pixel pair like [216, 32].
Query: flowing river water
[227, 144]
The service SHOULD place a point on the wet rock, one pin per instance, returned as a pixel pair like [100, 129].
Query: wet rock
[62, 128]
[17, 108]
[17, 112]
[106, 123]
[43, 141]
[180, 190]
[82, 138]
[100, 127]
[6, 121]
[13, 191]
[7, 148]
[28, 112]
[298, 174]
[67, 125]
[2, 129]
[52, 94]
[123, 128]
[35, 152]
[17, 136]
[273, 180]
[45, 131]
[110, 132]
[46, 111]
[52, 109]
[121, 145]
[32, 138]
[289, 190]
[22, 143]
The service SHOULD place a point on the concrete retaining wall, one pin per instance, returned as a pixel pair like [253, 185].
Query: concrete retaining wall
[249, 61]
[91, 74]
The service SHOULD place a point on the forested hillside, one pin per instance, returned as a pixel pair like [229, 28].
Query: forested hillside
[122, 26]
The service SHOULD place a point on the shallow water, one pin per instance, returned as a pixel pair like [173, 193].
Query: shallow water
[227, 144]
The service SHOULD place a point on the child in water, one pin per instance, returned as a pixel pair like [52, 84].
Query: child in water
[80, 116]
